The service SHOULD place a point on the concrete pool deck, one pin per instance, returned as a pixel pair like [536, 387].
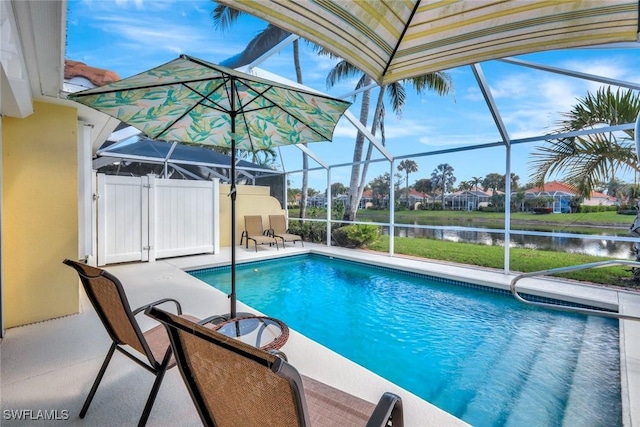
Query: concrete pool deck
[51, 365]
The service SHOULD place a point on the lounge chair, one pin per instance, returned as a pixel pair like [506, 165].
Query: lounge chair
[234, 384]
[107, 296]
[278, 229]
[253, 231]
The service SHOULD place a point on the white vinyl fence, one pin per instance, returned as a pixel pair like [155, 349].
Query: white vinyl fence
[145, 218]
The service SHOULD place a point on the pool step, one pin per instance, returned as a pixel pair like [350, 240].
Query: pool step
[470, 371]
[491, 402]
[547, 383]
[590, 409]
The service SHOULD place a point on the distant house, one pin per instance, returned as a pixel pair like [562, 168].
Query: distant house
[415, 199]
[343, 199]
[318, 201]
[562, 193]
[467, 200]
[601, 199]
[367, 200]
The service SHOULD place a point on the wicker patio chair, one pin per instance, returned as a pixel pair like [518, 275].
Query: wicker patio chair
[253, 231]
[235, 384]
[278, 229]
[107, 296]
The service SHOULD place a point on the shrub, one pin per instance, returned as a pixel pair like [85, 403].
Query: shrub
[627, 212]
[356, 235]
[596, 208]
[309, 231]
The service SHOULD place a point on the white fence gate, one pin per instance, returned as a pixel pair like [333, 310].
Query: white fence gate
[145, 218]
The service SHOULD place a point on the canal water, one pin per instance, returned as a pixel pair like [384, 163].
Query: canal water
[554, 240]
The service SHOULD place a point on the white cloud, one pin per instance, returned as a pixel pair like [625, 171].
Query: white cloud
[345, 129]
[406, 128]
[436, 139]
[512, 86]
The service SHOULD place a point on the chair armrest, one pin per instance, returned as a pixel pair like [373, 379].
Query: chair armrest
[212, 319]
[278, 353]
[160, 301]
[271, 232]
[388, 408]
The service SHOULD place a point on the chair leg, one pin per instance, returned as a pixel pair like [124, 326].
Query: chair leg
[154, 390]
[96, 383]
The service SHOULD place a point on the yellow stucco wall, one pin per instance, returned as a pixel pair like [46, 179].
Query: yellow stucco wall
[40, 214]
[250, 200]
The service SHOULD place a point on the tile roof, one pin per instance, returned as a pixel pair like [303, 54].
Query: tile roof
[554, 186]
[97, 76]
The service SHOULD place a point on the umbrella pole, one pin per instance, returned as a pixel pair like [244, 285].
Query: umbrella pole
[233, 113]
[232, 313]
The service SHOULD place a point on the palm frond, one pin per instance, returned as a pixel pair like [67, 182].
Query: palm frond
[439, 82]
[585, 161]
[398, 96]
[342, 70]
[265, 40]
[224, 17]
[605, 107]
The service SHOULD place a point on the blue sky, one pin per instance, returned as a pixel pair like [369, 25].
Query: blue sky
[130, 36]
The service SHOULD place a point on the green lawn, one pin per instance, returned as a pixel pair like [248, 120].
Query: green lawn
[522, 260]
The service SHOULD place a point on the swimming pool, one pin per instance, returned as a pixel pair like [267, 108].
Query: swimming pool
[479, 355]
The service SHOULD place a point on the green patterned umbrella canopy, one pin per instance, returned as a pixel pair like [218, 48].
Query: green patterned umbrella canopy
[192, 101]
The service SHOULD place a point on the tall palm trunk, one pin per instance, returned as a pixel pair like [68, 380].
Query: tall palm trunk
[305, 158]
[352, 206]
[376, 121]
[406, 185]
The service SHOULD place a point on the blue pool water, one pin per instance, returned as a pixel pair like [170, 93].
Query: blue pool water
[479, 355]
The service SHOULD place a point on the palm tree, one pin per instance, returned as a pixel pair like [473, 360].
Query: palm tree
[440, 82]
[408, 166]
[476, 180]
[442, 178]
[267, 157]
[423, 185]
[465, 185]
[224, 17]
[587, 160]
[515, 181]
[494, 181]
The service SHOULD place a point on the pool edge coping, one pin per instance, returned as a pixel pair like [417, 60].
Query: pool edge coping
[542, 286]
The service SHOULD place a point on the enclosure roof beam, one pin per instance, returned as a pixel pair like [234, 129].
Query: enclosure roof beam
[104, 161]
[186, 172]
[381, 148]
[570, 73]
[581, 132]
[493, 108]
[277, 48]
[313, 155]
[215, 173]
[155, 160]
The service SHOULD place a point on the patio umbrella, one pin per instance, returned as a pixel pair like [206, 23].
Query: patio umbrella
[391, 40]
[192, 101]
